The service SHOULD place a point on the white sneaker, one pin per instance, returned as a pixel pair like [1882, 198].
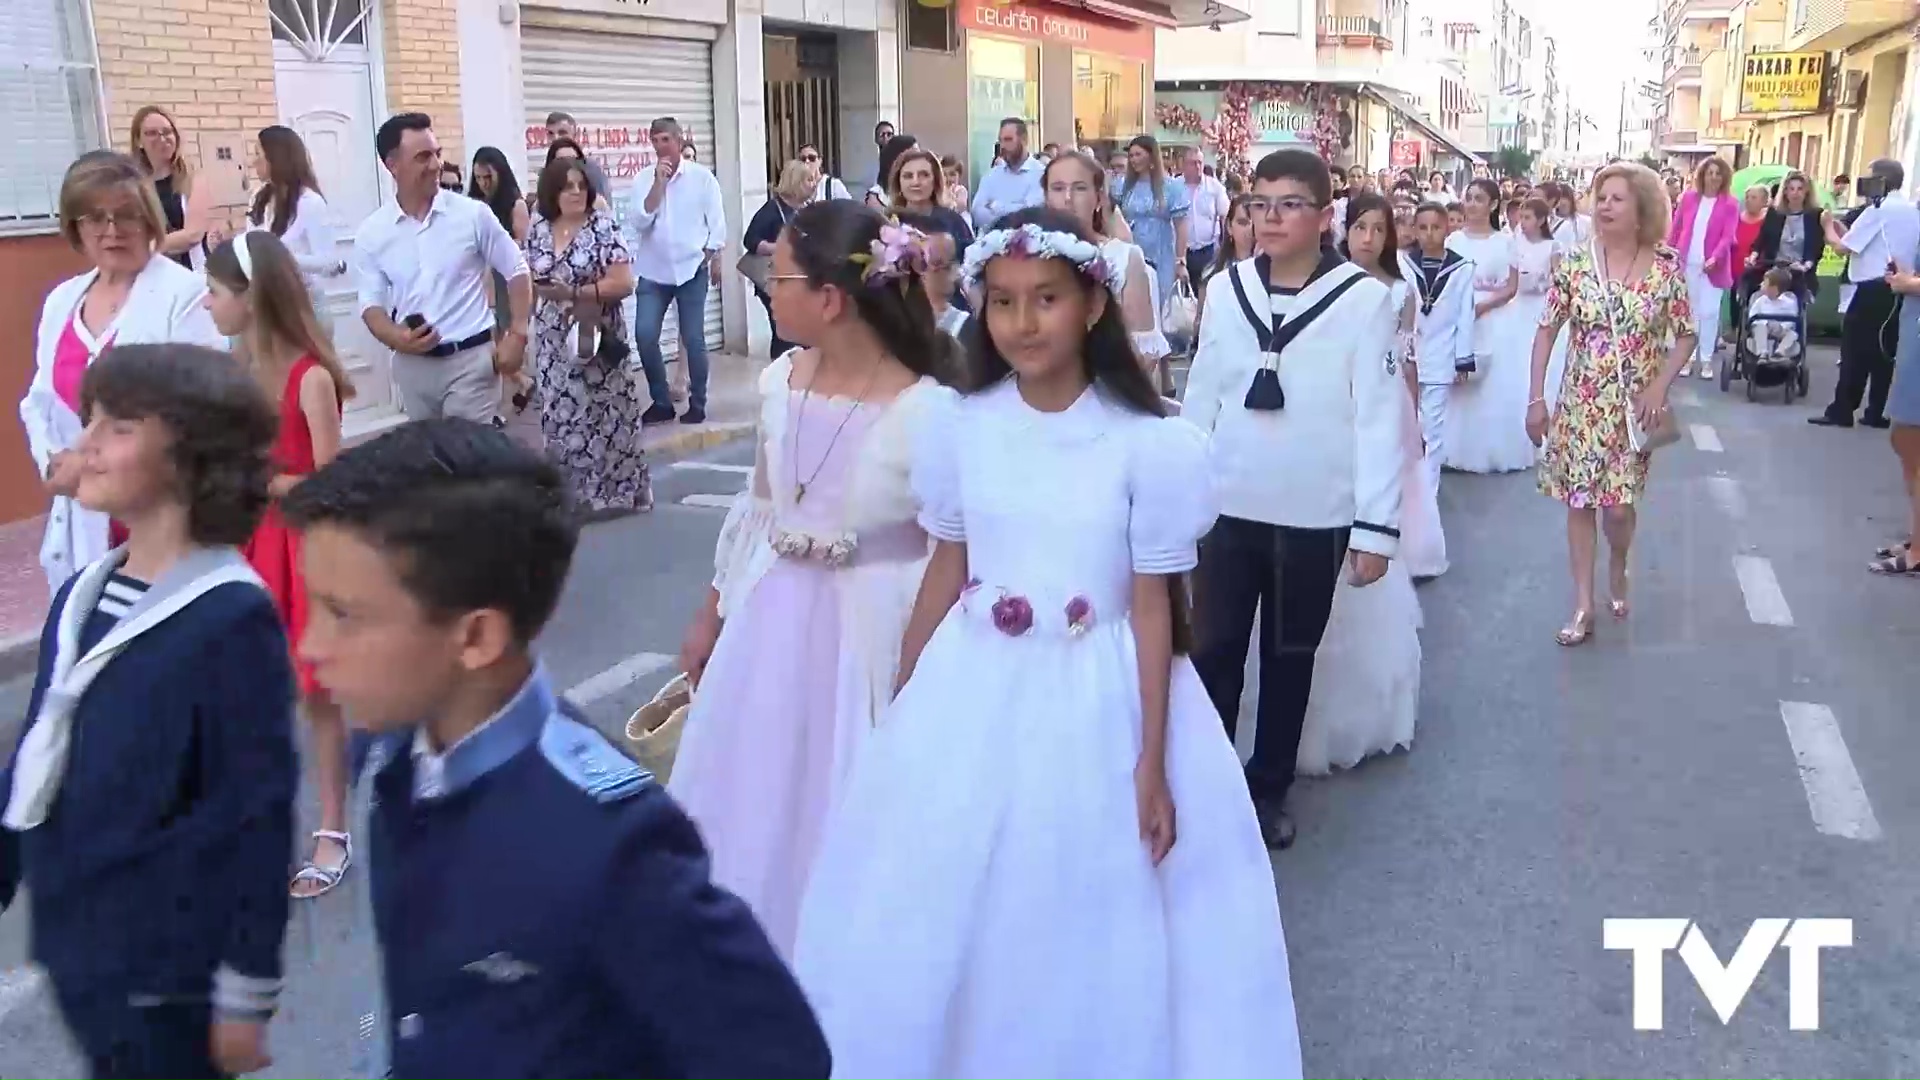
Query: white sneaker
[1706, 372]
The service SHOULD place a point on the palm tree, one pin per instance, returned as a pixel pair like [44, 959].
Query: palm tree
[1513, 161]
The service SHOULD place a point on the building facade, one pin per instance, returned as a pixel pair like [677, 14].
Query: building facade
[1362, 81]
[74, 72]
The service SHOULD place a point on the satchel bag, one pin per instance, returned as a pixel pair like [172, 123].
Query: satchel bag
[1666, 430]
[1182, 310]
[654, 729]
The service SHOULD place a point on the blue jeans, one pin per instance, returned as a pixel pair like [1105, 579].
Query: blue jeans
[689, 300]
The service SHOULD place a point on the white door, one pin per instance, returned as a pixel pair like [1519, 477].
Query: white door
[323, 77]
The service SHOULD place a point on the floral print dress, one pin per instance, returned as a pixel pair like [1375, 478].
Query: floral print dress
[590, 408]
[1588, 461]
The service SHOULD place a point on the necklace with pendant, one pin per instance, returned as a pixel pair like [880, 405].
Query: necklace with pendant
[800, 486]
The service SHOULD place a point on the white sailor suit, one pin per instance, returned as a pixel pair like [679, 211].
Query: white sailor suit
[1443, 346]
[1299, 484]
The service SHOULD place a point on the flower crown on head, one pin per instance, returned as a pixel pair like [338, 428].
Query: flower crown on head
[1034, 242]
[897, 255]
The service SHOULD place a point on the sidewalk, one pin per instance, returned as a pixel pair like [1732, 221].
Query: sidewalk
[732, 398]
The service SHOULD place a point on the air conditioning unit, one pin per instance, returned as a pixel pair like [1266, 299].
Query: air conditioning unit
[1850, 90]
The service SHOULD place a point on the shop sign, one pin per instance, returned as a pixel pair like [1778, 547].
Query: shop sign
[1281, 122]
[1405, 153]
[1782, 82]
[1052, 24]
[624, 152]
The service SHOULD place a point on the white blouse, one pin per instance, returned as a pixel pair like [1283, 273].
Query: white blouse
[311, 239]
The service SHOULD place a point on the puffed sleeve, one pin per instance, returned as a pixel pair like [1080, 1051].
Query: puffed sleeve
[1170, 486]
[1559, 294]
[936, 467]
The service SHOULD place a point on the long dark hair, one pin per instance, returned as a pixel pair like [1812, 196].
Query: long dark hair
[1156, 170]
[506, 186]
[1108, 361]
[824, 238]
[289, 173]
[1224, 257]
[283, 312]
[1492, 191]
[1360, 206]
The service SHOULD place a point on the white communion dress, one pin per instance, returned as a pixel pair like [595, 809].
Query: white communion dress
[983, 904]
[1487, 417]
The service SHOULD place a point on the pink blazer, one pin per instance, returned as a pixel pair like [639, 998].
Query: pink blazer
[1721, 227]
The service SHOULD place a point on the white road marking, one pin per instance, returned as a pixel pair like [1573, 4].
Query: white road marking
[1766, 604]
[1705, 438]
[714, 466]
[618, 677]
[1726, 494]
[17, 987]
[711, 502]
[1835, 796]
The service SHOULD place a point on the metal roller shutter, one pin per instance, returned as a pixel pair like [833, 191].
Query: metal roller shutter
[614, 85]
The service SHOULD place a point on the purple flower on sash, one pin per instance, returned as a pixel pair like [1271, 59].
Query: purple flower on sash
[1079, 615]
[1012, 615]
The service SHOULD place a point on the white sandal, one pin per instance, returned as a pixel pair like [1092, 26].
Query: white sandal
[327, 877]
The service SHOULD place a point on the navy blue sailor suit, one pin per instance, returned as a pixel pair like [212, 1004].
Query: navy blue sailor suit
[544, 908]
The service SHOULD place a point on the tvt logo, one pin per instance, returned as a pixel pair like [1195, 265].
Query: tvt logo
[1725, 985]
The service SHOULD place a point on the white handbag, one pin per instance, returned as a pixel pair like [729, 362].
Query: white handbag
[1182, 311]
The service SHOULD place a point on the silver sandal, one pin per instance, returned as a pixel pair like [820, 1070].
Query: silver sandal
[327, 877]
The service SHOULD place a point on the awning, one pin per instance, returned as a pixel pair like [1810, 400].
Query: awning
[1400, 103]
[1168, 14]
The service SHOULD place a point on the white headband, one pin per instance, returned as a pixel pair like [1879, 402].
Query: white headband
[1034, 242]
[243, 254]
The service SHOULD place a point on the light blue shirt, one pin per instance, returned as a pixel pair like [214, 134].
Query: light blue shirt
[1004, 190]
[1151, 220]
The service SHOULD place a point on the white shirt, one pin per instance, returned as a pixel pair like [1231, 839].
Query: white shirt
[310, 238]
[1004, 190]
[1209, 210]
[674, 242]
[1784, 304]
[1886, 233]
[1697, 239]
[438, 267]
[830, 187]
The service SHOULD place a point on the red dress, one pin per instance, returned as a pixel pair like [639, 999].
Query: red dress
[274, 549]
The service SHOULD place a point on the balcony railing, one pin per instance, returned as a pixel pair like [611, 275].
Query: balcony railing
[1361, 30]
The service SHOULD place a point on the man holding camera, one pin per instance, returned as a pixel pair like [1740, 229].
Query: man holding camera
[1884, 238]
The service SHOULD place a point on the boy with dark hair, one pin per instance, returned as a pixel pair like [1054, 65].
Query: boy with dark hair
[542, 907]
[1291, 376]
[1443, 322]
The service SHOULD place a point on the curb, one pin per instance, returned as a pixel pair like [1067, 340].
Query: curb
[20, 654]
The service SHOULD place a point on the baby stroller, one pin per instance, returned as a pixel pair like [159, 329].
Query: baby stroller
[1785, 368]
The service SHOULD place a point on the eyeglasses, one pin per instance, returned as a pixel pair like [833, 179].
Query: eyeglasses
[1286, 204]
[809, 158]
[124, 220]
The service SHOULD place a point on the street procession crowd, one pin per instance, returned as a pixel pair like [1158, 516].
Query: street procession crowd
[958, 791]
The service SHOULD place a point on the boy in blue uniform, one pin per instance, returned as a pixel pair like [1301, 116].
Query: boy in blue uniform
[542, 907]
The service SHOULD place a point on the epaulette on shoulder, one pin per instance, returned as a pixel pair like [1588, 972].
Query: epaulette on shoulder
[590, 761]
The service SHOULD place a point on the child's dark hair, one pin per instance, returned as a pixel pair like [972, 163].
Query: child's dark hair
[1430, 208]
[470, 519]
[1106, 357]
[220, 423]
[1302, 167]
[1780, 278]
[1224, 257]
[1492, 191]
[1360, 206]
[1542, 212]
[824, 238]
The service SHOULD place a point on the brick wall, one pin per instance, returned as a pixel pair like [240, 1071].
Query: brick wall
[422, 44]
[208, 62]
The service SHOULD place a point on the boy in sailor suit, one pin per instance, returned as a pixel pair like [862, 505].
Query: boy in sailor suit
[1290, 378]
[542, 906]
[1443, 325]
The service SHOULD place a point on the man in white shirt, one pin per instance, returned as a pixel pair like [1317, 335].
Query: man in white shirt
[1887, 233]
[680, 227]
[1014, 181]
[561, 125]
[824, 187]
[422, 262]
[1292, 378]
[1207, 217]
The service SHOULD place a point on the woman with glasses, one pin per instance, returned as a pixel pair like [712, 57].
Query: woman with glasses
[132, 293]
[825, 186]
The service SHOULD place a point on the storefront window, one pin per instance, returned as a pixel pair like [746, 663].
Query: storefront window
[1003, 80]
[1109, 99]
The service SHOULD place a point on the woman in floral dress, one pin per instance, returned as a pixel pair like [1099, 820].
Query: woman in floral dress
[591, 405]
[1624, 300]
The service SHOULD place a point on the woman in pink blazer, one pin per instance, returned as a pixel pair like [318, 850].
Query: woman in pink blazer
[1702, 236]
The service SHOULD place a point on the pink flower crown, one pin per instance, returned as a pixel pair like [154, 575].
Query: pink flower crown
[898, 255]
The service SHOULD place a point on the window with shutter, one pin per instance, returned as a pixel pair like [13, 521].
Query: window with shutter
[49, 106]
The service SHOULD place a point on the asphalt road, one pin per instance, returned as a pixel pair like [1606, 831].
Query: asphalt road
[1444, 906]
